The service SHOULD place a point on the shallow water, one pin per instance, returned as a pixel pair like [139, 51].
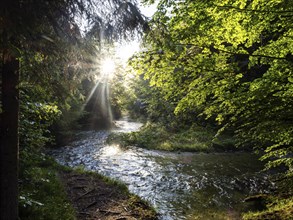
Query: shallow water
[179, 186]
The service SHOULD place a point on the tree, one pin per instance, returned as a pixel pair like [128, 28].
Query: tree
[231, 62]
[9, 142]
[40, 27]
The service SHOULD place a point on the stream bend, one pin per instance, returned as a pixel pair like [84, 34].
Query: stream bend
[179, 186]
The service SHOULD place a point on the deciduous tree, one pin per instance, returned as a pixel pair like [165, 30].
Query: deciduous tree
[230, 61]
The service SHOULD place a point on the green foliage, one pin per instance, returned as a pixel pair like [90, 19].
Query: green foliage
[54, 58]
[148, 102]
[121, 95]
[280, 209]
[42, 195]
[230, 62]
[157, 136]
[278, 206]
[52, 77]
[36, 117]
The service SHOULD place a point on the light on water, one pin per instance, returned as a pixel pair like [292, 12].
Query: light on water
[110, 151]
[180, 186]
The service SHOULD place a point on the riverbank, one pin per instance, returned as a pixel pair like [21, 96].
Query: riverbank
[97, 197]
[275, 204]
[51, 191]
[158, 137]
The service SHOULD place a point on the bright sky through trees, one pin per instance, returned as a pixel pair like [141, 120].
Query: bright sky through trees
[148, 10]
[122, 50]
[125, 51]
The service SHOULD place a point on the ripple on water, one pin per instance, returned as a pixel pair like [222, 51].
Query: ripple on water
[180, 186]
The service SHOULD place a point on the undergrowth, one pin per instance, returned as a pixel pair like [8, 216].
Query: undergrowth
[279, 205]
[42, 195]
[109, 181]
[156, 136]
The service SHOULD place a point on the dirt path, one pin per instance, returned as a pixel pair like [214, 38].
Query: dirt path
[95, 198]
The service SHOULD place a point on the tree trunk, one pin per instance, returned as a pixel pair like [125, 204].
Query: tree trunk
[9, 138]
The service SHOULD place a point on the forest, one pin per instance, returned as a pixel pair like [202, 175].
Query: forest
[196, 123]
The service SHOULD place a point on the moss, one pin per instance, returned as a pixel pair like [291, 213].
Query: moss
[156, 136]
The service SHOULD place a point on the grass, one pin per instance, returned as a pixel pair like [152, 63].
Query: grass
[135, 203]
[109, 181]
[42, 195]
[155, 136]
[279, 209]
[278, 205]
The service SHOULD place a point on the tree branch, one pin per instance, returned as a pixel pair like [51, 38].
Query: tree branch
[252, 10]
[252, 55]
[213, 49]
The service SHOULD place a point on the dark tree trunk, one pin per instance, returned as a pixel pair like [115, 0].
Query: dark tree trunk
[9, 138]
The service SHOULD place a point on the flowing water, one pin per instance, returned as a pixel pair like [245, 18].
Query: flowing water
[178, 185]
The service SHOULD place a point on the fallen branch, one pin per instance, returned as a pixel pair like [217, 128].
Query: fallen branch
[84, 194]
[95, 195]
[91, 204]
[108, 212]
[84, 213]
[78, 187]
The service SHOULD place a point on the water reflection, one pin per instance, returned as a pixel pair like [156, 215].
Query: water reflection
[180, 186]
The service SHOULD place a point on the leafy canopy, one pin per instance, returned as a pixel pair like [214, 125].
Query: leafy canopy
[230, 61]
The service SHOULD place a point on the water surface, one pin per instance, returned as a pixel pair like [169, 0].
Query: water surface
[178, 185]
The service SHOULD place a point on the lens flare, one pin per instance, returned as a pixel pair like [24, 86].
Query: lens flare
[108, 67]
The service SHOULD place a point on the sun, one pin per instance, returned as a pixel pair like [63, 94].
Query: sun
[108, 67]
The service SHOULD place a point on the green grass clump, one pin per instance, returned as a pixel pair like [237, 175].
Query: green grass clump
[279, 204]
[156, 136]
[279, 209]
[109, 181]
[141, 208]
[42, 195]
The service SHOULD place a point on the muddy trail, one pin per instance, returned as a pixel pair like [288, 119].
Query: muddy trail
[95, 198]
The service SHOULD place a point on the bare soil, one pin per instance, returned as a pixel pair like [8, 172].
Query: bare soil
[95, 198]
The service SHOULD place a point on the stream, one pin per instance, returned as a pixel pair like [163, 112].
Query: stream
[178, 185]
